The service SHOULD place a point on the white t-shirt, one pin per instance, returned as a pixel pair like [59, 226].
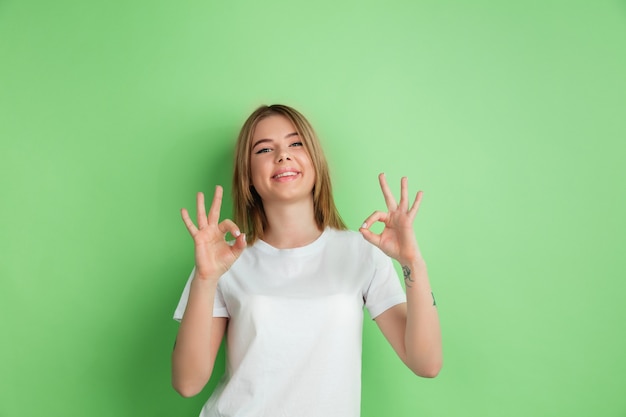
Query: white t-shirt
[295, 326]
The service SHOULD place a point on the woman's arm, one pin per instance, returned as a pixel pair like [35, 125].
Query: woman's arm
[198, 340]
[200, 334]
[413, 328]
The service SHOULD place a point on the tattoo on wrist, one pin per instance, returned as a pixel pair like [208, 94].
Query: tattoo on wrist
[406, 271]
[408, 281]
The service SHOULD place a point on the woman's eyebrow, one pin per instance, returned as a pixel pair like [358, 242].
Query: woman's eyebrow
[261, 141]
[289, 135]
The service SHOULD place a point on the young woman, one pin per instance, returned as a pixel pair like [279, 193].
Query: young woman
[289, 291]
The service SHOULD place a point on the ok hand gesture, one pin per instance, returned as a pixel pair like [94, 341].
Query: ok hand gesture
[397, 239]
[213, 255]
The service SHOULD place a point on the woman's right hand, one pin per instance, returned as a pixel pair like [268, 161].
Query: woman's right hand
[213, 255]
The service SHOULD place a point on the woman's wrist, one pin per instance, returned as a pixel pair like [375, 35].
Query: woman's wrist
[414, 261]
[207, 281]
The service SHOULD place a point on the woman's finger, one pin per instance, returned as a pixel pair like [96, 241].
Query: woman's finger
[416, 204]
[377, 216]
[216, 205]
[228, 225]
[371, 237]
[239, 245]
[200, 211]
[404, 195]
[187, 220]
[389, 200]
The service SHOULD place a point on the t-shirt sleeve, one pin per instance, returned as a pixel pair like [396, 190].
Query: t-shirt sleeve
[384, 290]
[219, 306]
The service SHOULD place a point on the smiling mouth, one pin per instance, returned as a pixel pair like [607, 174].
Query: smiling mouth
[285, 174]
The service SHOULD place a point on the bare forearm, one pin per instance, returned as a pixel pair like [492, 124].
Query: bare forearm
[192, 363]
[423, 333]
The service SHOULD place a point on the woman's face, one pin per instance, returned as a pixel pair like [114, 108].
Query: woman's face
[280, 166]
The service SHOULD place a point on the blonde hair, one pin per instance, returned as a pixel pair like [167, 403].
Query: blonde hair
[249, 213]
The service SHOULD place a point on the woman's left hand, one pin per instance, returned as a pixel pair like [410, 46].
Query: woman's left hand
[397, 239]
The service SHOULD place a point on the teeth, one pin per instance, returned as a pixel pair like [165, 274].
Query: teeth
[285, 174]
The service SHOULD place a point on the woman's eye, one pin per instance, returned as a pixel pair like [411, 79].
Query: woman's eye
[262, 150]
[296, 144]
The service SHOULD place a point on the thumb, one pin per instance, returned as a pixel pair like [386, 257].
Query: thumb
[370, 236]
[239, 245]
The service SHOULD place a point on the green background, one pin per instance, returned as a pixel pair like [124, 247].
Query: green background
[510, 116]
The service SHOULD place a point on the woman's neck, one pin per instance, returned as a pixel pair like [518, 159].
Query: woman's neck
[290, 225]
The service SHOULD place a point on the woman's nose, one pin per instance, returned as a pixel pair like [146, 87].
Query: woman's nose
[283, 156]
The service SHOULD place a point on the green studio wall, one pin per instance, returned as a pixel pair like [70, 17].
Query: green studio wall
[511, 116]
